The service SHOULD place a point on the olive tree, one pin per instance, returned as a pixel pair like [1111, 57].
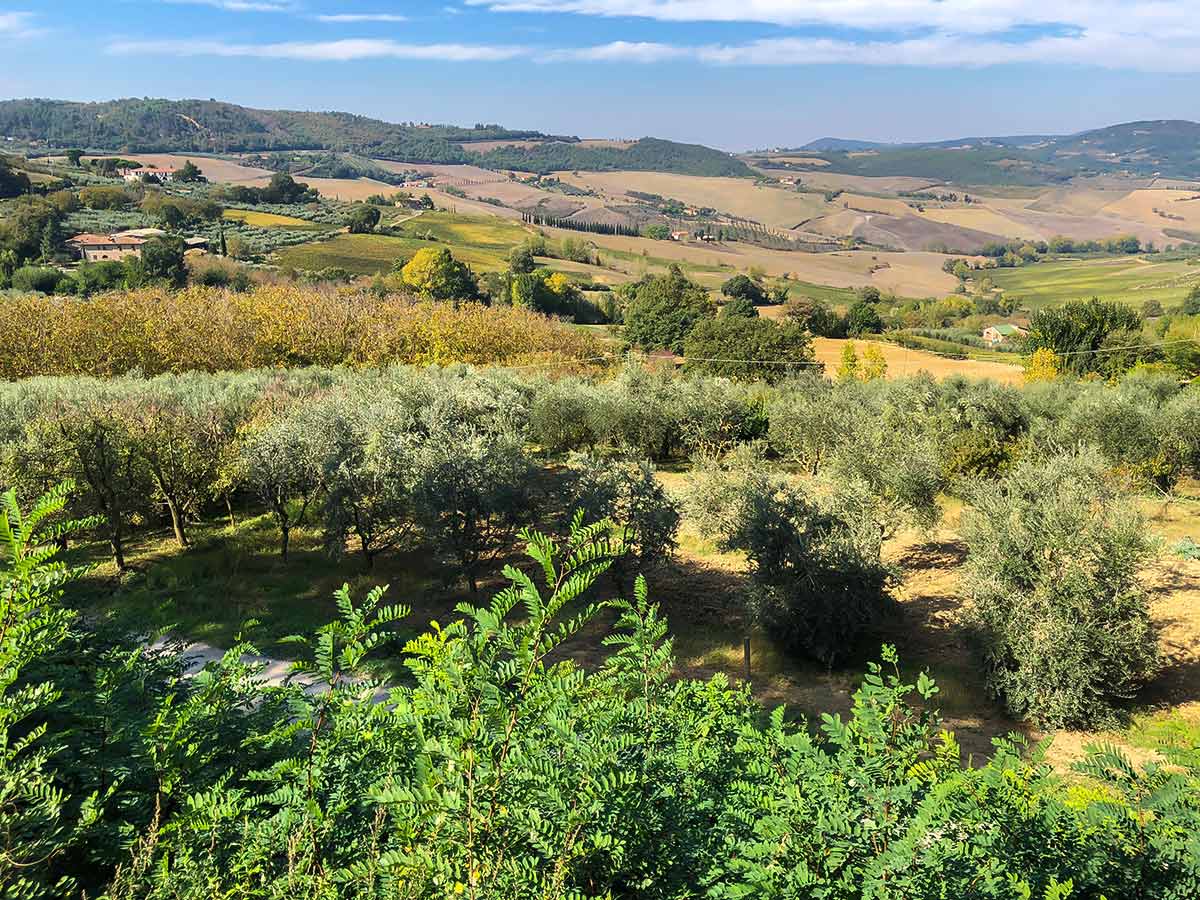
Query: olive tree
[817, 576]
[181, 427]
[626, 491]
[1054, 552]
[368, 478]
[280, 459]
[471, 492]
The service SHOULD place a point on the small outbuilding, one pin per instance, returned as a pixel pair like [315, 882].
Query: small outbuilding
[1003, 333]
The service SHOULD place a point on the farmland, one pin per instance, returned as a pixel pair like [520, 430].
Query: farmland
[1133, 280]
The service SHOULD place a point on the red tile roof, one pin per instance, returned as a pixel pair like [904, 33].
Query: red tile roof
[92, 240]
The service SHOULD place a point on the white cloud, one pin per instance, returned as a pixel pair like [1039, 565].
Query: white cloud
[351, 18]
[939, 50]
[322, 51]
[957, 16]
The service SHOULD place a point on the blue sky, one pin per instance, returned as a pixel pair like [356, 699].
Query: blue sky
[735, 74]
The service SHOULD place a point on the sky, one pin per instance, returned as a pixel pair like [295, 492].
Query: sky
[734, 74]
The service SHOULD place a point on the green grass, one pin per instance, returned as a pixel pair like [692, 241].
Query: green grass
[1130, 279]
[234, 574]
[482, 242]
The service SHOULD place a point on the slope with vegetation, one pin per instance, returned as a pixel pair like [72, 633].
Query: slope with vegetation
[210, 126]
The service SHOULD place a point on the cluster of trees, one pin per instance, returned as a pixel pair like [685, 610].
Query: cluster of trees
[1107, 338]
[282, 189]
[206, 329]
[580, 225]
[31, 241]
[672, 312]
[1012, 254]
[498, 767]
[389, 459]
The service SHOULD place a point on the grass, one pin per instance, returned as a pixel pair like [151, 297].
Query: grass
[482, 242]
[272, 220]
[1131, 279]
[233, 574]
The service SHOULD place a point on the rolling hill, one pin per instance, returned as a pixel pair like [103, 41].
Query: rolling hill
[210, 126]
[1145, 149]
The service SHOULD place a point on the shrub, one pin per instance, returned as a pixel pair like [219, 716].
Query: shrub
[38, 279]
[499, 767]
[1052, 572]
[749, 349]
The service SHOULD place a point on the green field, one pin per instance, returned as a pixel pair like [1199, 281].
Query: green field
[1131, 279]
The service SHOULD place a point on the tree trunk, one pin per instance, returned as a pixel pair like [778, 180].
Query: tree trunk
[117, 545]
[229, 509]
[176, 522]
[746, 656]
[285, 536]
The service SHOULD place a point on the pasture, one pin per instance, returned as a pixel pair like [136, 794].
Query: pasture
[1130, 279]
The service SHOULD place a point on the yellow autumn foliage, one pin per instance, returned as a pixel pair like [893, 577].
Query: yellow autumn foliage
[209, 329]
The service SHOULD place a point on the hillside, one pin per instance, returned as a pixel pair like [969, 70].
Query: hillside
[1145, 149]
[200, 126]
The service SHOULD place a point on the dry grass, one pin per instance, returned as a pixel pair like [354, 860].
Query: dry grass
[222, 171]
[778, 207]
[902, 361]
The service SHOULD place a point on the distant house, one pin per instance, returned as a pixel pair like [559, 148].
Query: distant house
[680, 235]
[1003, 333]
[98, 247]
[195, 245]
[161, 175]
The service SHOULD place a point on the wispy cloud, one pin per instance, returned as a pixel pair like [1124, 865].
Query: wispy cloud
[353, 18]
[274, 6]
[17, 25]
[1103, 49]
[322, 51]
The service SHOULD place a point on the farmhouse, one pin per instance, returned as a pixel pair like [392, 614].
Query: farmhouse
[1002, 333]
[97, 247]
[680, 235]
[162, 175]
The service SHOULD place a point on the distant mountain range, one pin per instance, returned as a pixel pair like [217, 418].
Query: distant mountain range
[1167, 147]
[210, 126]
